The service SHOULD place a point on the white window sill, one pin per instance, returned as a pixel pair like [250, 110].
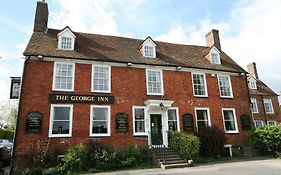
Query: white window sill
[255, 112]
[226, 96]
[155, 94]
[59, 135]
[99, 135]
[64, 90]
[200, 95]
[232, 132]
[101, 91]
[269, 113]
[140, 134]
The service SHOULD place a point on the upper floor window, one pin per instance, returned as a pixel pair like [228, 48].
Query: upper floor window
[148, 48]
[199, 85]
[229, 119]
[173, 119]
[139, 120]
[271, 122]
[154, 82]
[66, 39]
[268, 106]
[66, 43]
[100, 120]
[63, 78]
[254, 105]
[225, 86]
[60, 120]
[148, 51]
[253, 84]
[101, 78]
[258, 123]
[215, 56]
[202, 118]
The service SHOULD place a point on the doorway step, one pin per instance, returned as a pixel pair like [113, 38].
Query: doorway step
[166, 158]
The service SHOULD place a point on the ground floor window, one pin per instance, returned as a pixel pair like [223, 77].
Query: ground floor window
[100, 120]
[139, 120]
[259, 123]
[271, 122]
[202, 118]
[61, 120]
[173, 119]
[229, 120]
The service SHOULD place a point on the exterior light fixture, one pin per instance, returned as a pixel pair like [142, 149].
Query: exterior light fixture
[161, 106]
[40, 57]
[130, 64]
[179, 68]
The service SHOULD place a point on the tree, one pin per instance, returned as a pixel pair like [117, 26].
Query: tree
[8, 114]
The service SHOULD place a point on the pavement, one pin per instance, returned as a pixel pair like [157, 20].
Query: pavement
[255, 167]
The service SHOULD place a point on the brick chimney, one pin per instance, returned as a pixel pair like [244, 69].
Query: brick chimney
[41, 17]
[252, 69]
[213, 39]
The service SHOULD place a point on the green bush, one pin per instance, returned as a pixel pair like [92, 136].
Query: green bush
[212, 141]
[43, 154]
[9, 134]
[267, 140]
[101, 156]
[186, 145]
[2, 133]
[75, 160]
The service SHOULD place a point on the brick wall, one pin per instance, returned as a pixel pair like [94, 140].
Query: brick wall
[129, 88]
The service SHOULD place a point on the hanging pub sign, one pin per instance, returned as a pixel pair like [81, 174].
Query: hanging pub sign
[121, 122]
[15, 87]
[187, 122]
[72, 98]
[34, 122]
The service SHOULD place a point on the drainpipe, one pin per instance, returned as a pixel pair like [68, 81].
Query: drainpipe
[19, 111]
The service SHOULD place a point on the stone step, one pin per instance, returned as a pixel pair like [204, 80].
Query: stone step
[179, 165]
[178, 161]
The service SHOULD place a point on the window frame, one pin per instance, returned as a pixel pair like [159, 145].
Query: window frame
[162, 82]
[208, 115]
[205, 84]
[255, 123]
[109, 79]
[54, 76]
[177, 117]
[268, 121]
[152, 50]
[215, 51]
[254, 104]
[52, 120]
[108, 121]
[266, 100]
[230, 86]
[234, 118]
[253, 84]
[145, 118]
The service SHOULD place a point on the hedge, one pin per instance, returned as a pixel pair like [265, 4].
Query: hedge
[6, 134]
[267, 140]
[187, 146]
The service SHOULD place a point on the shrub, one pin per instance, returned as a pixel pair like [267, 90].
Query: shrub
[74, 160]
[267, 140]
[9, 134]
[131, 157]
[186, 146]
[43, 154]
[212, 142]
[101, 156]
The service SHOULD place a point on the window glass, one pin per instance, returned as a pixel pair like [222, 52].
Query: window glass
[101, 78]
[254, 105]
[139, 120]
[63, 79]
[154, 82]
[100, 120]
[148, 51]
[225, 86]
[229, 121]
[199, 87]
[215, 58]
[268, 106]
[258, 123]
[172, 120]
[271, 122]
[60, 121]
[66, 43]
[202, 118]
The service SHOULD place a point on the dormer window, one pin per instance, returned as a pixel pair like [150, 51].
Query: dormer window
[215, 56]
[253, 83]
[66, 39]
[148, 49]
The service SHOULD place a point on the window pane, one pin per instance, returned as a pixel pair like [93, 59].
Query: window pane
[202, 124]
[60, 127]
[230, 126]
[172, 125]
[99, 127]
[154, 82]
[139, 126]
[172, 114]
[202, 115]
[100, 114]
[101, 78]
[139, 114]
[63, 76]
[61, 113]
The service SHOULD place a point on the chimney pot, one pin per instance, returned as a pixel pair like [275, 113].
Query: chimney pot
[213, 39]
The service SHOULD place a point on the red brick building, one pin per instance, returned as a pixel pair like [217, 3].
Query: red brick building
[264, 101]
[79, 86]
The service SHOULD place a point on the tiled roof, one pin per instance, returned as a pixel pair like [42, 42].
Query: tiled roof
[262, 89]
[121, 49]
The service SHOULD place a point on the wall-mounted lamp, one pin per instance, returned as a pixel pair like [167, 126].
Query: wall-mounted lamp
[40, 57]
[213, 75]
[179, 68]
[161, 106]
[130, 64]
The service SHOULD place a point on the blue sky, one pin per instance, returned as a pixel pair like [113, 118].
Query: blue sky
[249, 30]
